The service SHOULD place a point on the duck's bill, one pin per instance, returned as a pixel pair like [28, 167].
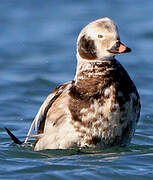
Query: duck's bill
[119, 48]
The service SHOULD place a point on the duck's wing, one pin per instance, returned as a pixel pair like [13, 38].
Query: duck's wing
[44, 109]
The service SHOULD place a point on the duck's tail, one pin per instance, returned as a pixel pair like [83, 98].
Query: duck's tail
[14, 139]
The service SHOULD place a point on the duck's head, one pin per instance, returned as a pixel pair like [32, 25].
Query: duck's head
[100, 40]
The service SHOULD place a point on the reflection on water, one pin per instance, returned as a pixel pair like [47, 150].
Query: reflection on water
[37, 53]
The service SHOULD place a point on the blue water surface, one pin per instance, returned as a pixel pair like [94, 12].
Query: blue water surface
[37, 53]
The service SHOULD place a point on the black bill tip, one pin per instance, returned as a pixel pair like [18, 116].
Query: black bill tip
[127, 50]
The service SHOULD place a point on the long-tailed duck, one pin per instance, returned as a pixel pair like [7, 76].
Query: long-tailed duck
[101, 106]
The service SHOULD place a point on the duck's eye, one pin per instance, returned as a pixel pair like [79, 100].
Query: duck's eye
[100, 36]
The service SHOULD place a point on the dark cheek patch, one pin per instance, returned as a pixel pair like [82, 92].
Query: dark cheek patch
[87, 49]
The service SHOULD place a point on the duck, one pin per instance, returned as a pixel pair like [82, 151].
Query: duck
[100, 107]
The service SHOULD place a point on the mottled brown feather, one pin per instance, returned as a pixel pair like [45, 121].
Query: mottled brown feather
[57, 92]
[87, 48]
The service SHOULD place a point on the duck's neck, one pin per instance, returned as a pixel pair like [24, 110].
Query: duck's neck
[92, 74]
[91, 69]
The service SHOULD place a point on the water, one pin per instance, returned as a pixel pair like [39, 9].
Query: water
[37, 53]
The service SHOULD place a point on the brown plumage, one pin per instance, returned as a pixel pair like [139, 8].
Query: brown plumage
[101, 106]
